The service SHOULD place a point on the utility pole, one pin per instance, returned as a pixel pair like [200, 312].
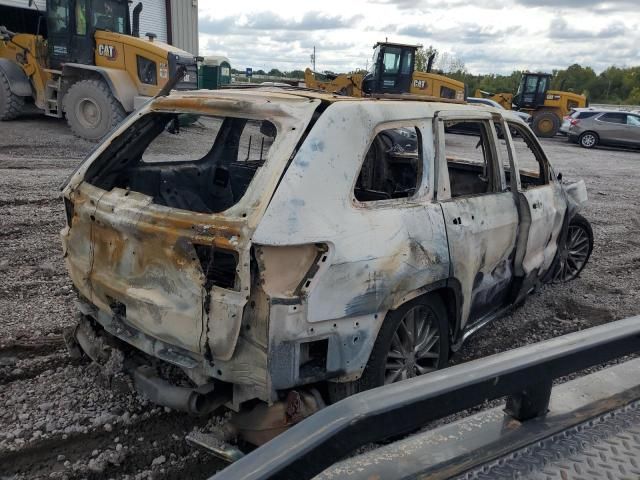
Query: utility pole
[313, 58]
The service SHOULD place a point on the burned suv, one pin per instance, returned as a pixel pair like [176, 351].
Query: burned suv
[291, 238]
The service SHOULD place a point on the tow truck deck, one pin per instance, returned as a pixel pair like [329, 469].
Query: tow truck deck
[586, 428]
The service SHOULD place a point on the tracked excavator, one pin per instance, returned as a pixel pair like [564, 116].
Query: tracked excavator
[546, 107]
[392, 73]
[84, 60]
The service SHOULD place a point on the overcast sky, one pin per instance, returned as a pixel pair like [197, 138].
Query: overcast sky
[489, 36]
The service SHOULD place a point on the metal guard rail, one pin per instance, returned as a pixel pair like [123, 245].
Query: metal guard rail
[524, 375]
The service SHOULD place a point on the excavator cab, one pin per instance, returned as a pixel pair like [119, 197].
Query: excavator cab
[392, 68]
[532, 90]
[71, 25]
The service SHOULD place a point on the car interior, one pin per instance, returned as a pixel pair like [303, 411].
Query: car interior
[207, 169]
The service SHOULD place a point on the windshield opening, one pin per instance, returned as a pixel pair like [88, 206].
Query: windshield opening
[202, 164]
[374, 61]
[110, 15]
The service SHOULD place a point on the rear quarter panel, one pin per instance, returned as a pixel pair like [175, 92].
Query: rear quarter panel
[378, 254]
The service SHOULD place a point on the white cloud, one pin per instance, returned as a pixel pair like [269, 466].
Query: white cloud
[489, 36]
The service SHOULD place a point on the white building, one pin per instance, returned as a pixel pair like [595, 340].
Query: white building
[173, 21]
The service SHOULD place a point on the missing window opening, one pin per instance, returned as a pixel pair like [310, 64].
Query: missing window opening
[391, 167]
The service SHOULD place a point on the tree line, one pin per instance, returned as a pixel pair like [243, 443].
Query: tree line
[615, 85]
[274, 72]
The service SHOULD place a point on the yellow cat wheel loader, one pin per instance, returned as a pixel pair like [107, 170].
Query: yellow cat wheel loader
[392, 72]
[86, 62]
[546, 107]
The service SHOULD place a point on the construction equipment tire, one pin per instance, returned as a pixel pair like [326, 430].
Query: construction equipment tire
[11, 105]
[546, 124]
[92, 110]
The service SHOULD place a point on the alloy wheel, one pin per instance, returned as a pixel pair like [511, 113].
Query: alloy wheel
[415, 346]
[575, 254]
[588, 140]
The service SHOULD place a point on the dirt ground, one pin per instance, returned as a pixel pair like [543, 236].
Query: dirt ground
[57, 419]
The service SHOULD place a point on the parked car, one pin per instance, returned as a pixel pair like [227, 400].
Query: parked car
[287, 239]
[576, 114]
[606, 128]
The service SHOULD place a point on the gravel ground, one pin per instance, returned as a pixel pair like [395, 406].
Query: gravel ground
[58, 417]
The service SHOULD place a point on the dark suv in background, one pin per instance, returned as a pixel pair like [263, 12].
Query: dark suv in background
[606, 127]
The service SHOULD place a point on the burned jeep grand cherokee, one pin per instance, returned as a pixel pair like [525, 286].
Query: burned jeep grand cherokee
[290, 238]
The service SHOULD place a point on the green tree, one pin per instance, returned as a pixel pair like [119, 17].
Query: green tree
[422, 57]
[274, 72]
[634, 97]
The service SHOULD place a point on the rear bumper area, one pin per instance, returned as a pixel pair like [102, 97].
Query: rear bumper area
[91, 339]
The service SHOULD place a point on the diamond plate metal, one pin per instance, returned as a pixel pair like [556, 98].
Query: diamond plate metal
[605, 448]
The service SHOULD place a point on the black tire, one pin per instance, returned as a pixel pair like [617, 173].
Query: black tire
[546, 124]
[92, 110]
[588, 139]
[566, 265]
[11, 105]
[376, 368]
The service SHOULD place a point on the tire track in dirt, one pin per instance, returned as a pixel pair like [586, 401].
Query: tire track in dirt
[30, 348]
[136, 452]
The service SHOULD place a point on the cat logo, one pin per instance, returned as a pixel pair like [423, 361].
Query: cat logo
[421, 84]
[108, 51]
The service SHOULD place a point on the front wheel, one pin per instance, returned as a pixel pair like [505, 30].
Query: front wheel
[92, 110]
[573, 257]
[413, 340]
[11, 105]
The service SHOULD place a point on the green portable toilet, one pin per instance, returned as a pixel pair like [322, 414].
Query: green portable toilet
[214, 71]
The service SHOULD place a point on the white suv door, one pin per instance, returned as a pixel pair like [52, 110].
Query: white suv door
[541, 205]
[480, 213]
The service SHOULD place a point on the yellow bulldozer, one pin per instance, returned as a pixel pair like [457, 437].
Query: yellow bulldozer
[85, 60]
[392, 72]
[546, 107]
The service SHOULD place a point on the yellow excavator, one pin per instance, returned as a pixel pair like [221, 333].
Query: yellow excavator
[392, 72]
[86, 61]
[546, 107]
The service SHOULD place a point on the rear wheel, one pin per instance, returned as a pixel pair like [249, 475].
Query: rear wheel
[546, 124]
[413, 340]
[92, 110]
[575, 254]
[588, 140]
[11, 105]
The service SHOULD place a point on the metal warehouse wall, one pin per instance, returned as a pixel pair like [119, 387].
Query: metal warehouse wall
[184, 25]
[153, 18]
[24, 4]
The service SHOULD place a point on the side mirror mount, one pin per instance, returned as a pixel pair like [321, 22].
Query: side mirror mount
[559, 176]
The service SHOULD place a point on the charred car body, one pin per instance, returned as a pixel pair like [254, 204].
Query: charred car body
[309, 238]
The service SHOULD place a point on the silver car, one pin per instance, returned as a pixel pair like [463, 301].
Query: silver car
[577, 114]
[606, 128]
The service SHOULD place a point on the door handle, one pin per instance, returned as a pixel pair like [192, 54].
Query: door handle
[538, 204]
[457, 221]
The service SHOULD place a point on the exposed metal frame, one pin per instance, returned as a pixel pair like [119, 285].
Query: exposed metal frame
[525, 375]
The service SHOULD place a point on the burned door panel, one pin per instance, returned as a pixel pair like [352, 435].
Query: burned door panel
[480, 215]
[541, 205]
[482, 237]
[542, 214]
